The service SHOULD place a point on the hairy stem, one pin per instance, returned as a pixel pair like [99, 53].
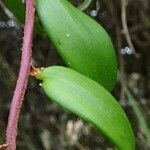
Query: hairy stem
[23, 76]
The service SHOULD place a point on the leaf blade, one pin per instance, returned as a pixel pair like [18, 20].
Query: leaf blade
[82, 43]
[89, 100]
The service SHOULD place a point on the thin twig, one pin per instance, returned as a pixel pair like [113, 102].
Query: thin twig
[83, 6]
[136, 110]
[125, 26]
[7, 11]
[121, 60]
[118, 41]
[23, 76]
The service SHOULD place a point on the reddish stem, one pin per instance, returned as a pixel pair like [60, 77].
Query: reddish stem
[23, 76]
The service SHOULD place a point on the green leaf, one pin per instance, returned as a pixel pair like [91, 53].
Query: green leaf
[83, 6]
[89, 100]
[18, 9]
[82, 43]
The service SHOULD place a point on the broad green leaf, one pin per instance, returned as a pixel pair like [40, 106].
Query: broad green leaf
[82, 43]
[90, 101]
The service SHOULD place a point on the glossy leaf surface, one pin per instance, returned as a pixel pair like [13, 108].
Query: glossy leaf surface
[83, 44]
[90, 101]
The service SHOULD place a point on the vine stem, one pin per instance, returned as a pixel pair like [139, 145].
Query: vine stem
[21, 85]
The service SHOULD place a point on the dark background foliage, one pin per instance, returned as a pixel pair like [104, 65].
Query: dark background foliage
[45, 126]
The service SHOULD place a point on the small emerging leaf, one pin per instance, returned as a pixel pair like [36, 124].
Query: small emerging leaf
[90, 101]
